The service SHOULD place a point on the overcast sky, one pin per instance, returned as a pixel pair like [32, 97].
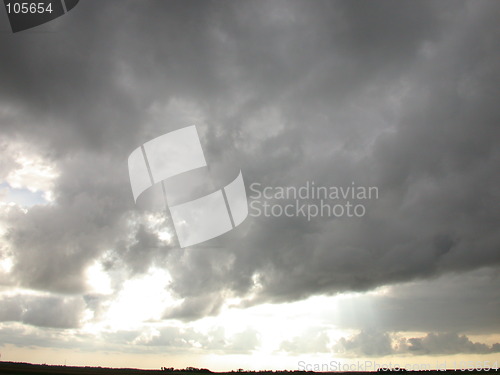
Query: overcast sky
[401, 96]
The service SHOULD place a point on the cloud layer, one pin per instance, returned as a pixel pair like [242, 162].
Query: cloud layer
[398, 96]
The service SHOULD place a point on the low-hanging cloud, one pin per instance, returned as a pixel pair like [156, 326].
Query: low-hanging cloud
[373, 344]
[42, 311]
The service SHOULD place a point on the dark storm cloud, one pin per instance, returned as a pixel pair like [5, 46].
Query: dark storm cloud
[435, 165]
[141, 252]
[401, 96]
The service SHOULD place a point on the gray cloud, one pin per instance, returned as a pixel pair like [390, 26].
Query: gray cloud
[53, 244]
[401, 96]
[42, 311]
[24, 336]
[446, 343]
[244, 341]
[443, 304]
[313, 341]
[367, 343]
[372, 343]
[185, 339]
[167, 338]
[196, 307]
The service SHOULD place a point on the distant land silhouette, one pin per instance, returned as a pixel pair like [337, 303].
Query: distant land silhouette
[20, 368]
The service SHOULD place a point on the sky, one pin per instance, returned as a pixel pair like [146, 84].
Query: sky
[398, 96]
